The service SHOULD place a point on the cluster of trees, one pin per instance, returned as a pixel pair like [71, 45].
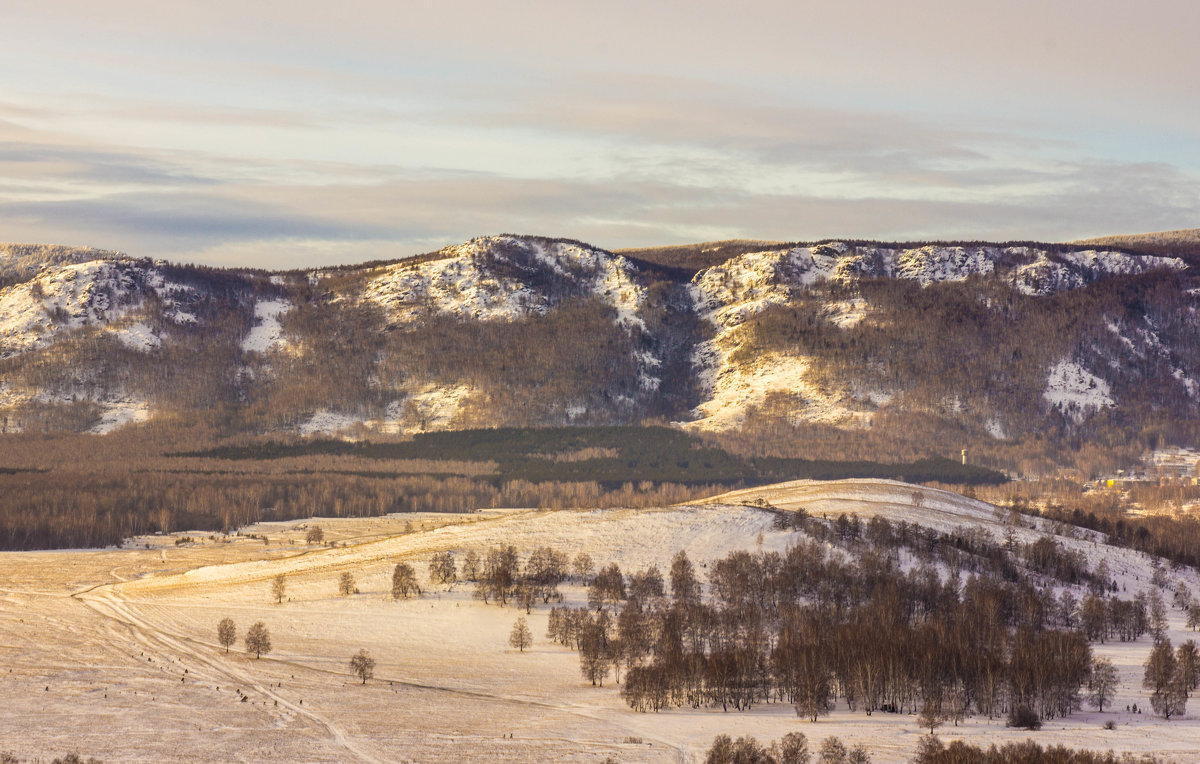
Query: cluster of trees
[961, 550]
[1172, 536]
[258, 639]
[933, 751]
[499, 576]
[810, 626]
[58, 509]
[1171, 676]
[1102, 619]
[792, 748]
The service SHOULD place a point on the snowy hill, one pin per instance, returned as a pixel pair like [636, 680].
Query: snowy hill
[997, 341]
[447, 686]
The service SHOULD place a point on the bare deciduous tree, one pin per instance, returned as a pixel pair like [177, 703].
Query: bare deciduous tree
[279, 588]
[258, 640]
[1102, 683]
[404, 581]
[315, 535]
[363, 665]
[833, 751]
[1168, 694]
[470, 568]
[226, 633]
[521, 637]
[346, 584]
[442, 569]
[582, 567]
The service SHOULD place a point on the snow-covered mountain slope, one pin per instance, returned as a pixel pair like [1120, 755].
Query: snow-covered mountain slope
[98, 293]
[739, 375]
[520, 330]
[508, 277]
[21, 262]
[1072, 270]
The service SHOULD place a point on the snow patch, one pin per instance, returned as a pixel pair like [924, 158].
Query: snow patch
[1075, 391]
[267, 331]
[1113, 327]
[1072, 270]
[1189, 384]
[71, 297]
[1179, 461]
[846, 313]
[435, 407]
[326, 422]
[928, 265]
[138, 337]
[119, 413]
[736, 389]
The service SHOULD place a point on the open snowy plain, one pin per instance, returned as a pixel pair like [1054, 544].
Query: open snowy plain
[113, 653]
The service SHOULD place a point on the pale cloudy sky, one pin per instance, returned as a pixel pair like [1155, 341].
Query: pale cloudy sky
[294, 133]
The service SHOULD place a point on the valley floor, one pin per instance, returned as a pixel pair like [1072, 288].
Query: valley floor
[113, 653]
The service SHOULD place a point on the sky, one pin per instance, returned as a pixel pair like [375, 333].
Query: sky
[296, 133]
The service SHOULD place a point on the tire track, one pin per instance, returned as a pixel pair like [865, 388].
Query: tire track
[110, 605]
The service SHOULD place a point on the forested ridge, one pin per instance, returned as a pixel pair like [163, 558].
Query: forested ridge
[536, 332]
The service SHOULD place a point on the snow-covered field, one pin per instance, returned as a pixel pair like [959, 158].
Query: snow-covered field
[113, 653]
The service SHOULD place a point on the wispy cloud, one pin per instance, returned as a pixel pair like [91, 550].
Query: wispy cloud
[172, 130]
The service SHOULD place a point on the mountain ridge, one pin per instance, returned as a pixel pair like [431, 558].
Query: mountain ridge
[534, 331]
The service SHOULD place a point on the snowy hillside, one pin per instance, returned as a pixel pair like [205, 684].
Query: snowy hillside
[21, 262]
[113, 642]
[737, 292]
[507, 277]
[523, 330]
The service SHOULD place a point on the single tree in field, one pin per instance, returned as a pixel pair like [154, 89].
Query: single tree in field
[1187, 665]
[1102, 684]
[684, 586]
[1193, 618]
[1158, 616]
[363, 664]
[442, 569]
[521, 637]
[346, 584]
[279, 588]
[315, 535]
[792, 749]
[404, 581]
[931, 713]
[858, 754]
[226, 633]
[583, 567]
[833, 751]
[1168, 696]
[470, 569]
[258, 640]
